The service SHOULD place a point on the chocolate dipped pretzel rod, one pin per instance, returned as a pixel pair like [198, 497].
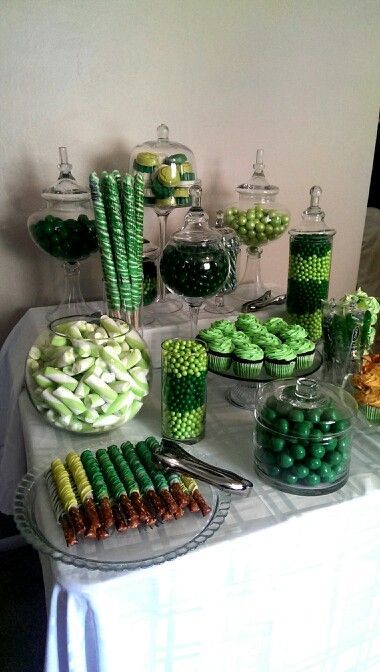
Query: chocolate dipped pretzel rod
[193, 489]
[75, 467]
[117, 488]
[158, 478]
[126, 476]
[191, 505]
[63, 518]
[173, 479]
[89, 532]
[67, 496]
[144, 481]
[99, 487]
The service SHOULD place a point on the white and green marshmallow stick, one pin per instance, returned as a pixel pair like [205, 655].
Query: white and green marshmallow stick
[58, 376]
[102, 232]
[113, 327]
[55, 404]
[72, 402]
[101, 388]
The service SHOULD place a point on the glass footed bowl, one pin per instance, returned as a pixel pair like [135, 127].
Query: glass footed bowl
[88, 375]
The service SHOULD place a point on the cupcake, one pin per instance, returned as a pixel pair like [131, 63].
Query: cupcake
[220, 354]
[367, 388]
[305, 351]
[276, 326]
[265, 340]
[254, 330]
[294, 332]
[225, 326]
[280, 361]
[247, 360]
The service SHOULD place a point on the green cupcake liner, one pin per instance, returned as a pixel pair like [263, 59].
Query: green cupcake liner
[219, 363]
[304, 361]
[371, 413]
[280, 370]
[246, 369]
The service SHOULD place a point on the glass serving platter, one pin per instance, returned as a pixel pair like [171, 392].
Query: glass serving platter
[264, 377]
[138, 548]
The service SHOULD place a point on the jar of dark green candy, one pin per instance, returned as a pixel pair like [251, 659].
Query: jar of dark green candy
[183, 390]
[302, 436]
[65, 229]
[309, 267]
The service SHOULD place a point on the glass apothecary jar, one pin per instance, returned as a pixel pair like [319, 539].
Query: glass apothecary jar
[168, 170]
[195, 263]
[310, 253]
[258, 219]
[302, 436]
[88, 375]
[65, 229]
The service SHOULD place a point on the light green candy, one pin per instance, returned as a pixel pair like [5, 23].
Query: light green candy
[101, 388]
[82, 390]
[62, 378]
[72, 402]
[34, 352]
[57, 405]
[82, 365]
[42, 381]
[93, 400]
[123, 400]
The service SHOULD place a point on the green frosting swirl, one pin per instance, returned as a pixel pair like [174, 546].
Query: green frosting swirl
[281, 353]
[295, 333]
[301, 347]
[250, 352]
[223, 345]
[266, 340]
[245, 320]
[209, 334]
[276, 325]
[225, 326]
[240, 338]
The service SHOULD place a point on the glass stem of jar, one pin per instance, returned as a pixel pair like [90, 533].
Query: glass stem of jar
[194, 315]
[162, 223]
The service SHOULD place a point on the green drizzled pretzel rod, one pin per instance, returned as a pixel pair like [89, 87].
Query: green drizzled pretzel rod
[138, 187]
[99, 487]
[109, 273]
[126, 476]
[111, 200]
[130, 235]
[143, 479]
[116, 487]
[158, 478]
[173, 479]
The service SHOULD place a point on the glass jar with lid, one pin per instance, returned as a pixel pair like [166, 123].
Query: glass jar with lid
[302, 435]
[169, 171]
[65, 229]
[231, 243]
[310, 253]
[258, 220]
[194, 263]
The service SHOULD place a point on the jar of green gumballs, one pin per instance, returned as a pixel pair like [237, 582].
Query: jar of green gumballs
[303, 435]
[183, 390]
[258, 219]
[310, 253]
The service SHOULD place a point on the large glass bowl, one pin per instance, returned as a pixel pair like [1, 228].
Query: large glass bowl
[88, 375]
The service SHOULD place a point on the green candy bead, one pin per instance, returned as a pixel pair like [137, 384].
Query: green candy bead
[296, 416]
[313, 479]
[298, 452]
[285, 461]
[277, 444]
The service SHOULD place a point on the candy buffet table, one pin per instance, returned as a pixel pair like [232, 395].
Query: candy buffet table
[287, 584]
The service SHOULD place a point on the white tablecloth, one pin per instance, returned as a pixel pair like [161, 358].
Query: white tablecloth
[288, 583]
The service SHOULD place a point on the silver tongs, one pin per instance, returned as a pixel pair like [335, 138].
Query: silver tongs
[262, 302]
[171, 455]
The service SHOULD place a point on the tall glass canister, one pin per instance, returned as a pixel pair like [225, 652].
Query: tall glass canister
[183, 390]
[309, 267]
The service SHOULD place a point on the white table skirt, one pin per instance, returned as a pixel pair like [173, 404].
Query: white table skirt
[288, 583]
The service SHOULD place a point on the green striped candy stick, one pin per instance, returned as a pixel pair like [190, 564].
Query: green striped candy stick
[109, 273]
[130, 235]
[117, 176]
[139, 209]
[115, 224]
[143, 479]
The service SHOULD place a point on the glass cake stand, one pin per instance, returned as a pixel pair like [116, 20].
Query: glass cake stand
[141, 547]
[243, 393]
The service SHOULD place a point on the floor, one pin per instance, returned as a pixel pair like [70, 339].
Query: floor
[22, 603]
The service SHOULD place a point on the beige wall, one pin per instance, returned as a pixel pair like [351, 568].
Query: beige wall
[300, 79]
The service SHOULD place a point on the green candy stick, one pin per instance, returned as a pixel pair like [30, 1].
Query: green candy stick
[143, 479]
[112, 205]
[102, 232]
[139, 237]
[130, 235]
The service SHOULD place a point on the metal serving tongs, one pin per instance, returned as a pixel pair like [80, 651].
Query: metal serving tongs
[262, 302]
[171, 455]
